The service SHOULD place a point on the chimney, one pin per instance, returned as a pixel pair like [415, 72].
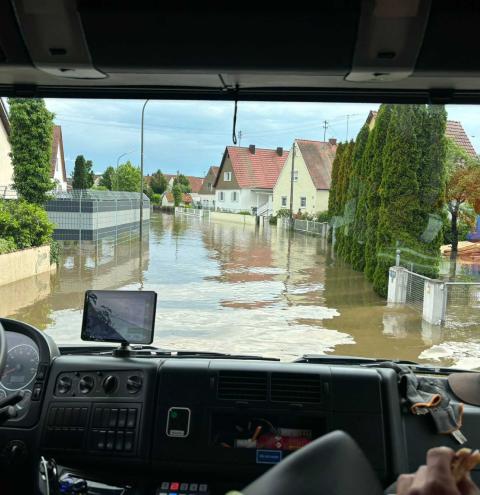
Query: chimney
[279, 151]
[251, 148]
[332, 141]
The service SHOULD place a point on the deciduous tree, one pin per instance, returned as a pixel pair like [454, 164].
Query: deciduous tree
[183, 182]
[128, 177]
[463, 179]
[108, 179]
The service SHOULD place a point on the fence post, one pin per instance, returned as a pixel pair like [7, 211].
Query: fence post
[397, 258]
[397, 285]
[434, 294]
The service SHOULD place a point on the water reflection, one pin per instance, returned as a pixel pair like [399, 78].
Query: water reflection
[234, 288]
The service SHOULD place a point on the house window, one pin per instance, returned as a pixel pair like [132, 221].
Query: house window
[234, 196]
[221, 196]
[295, 175]
[303, 202]
[227, 176]
[284, 201]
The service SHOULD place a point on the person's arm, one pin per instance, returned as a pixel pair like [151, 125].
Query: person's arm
[436, 478]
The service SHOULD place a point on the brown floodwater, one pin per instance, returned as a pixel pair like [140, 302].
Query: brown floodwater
[232, 288]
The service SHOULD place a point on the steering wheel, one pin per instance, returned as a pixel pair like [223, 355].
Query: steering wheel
[3, 349]
[333, 463]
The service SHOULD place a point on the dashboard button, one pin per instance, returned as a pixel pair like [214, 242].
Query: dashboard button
[203, 488]
[101, 439]
[105, 417]
[128, 446]
[51, 416]
[184, 487]
[112, 422]
[37, 391]
[174, 485]
[119, 441]
[193, 487]
[165, 485]
[132, 418]
[110, 439]
[122, 418]
[59, 416]
[67, 417]
[76, 416]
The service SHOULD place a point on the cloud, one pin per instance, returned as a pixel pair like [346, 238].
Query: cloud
[190, 136]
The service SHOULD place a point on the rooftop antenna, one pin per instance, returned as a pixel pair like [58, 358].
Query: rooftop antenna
[240, 134]
[325, 125]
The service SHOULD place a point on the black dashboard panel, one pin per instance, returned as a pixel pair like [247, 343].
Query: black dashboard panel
[215, 423]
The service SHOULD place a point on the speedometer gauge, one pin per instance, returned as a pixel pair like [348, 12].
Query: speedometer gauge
[21, 368]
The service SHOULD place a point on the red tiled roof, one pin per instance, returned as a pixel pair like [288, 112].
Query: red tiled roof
[56, 142]
[456, 132]
[256, 170]
[318, 157]
[195, 183]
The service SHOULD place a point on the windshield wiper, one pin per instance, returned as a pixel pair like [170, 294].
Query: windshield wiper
[364, 361]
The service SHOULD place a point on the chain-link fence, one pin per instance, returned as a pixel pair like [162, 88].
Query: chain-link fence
[415, 290]
[307, 226]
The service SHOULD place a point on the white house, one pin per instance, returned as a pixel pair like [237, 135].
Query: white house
[6, 168]
[58, 171]
[246, 179]
[207, 191]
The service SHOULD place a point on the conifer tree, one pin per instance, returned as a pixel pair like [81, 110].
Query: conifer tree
[375, 145]
[354, 253]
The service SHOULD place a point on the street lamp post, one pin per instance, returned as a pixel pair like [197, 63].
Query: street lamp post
[141, 174]
[116, 169]
[292, 173]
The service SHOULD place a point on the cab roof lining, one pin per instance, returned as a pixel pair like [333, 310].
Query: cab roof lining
[222, 52]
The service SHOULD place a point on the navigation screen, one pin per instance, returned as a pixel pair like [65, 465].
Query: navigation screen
[119, 316]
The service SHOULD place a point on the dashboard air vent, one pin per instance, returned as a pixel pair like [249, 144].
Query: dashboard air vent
[241, 385]
[302, 388]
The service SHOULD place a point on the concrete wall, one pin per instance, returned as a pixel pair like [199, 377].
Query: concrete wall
[22, 264]
[303, 186]
[233, 217]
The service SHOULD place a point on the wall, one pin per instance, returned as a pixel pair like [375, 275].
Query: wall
[316, 200]
[233, 217]
[58, 174]
[22, 264]
[6, 168]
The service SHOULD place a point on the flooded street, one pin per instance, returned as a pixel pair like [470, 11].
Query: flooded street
[229, 288]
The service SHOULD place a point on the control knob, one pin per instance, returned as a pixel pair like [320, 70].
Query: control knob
[86, 384]
[134, 384]
[64, 384]
[110, 384]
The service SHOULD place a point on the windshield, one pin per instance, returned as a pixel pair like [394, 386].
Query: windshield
[291, 229]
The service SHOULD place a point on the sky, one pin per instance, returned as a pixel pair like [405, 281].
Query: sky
[190, 136]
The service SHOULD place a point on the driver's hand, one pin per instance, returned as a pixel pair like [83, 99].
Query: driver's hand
[436, 477]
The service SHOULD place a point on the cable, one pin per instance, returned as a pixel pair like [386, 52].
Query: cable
[234, 130]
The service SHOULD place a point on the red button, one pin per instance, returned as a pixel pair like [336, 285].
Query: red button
[174, 485]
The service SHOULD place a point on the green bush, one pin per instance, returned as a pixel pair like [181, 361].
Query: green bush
[7, 246]
[322, 216]
[26, 224]
[155, 199]
[272, 220]
[283, 212]
[244, 212]
[54, 252]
